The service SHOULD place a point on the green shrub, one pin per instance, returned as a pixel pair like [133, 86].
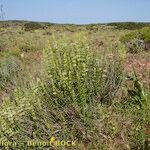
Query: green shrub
[139, 107]
[137, 94]
[21, 32]
[27, 46]
[78, 75]
[129, 36]
[129, 25]
[145, 34]
[30, 26]
[136, 41]
[142, 34]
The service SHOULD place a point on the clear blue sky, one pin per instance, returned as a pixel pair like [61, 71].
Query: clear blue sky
[77, 11]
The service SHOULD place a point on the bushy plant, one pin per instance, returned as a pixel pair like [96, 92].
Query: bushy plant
[142, 34]
[145, 34]
[78, 75]
[30, 26]
[27, 46]
[137, 94]
[129, 36]
[136, 41]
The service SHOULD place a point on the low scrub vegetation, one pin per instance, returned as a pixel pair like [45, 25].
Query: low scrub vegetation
[129, 25]
[74, 83]
[79, 75]
[76, 99]
[30, 26]
[142, 34]
[138, 40]
[17, 42]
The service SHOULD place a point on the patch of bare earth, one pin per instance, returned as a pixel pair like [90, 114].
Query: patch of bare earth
[141, 64]
[3, 94]
[36, 56]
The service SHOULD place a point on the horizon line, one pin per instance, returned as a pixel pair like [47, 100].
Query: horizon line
[59, 23]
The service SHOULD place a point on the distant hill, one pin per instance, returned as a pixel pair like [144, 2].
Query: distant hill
[22, 23]
[29, 25]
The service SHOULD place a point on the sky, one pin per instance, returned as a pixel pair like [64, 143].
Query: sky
[77, 11]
